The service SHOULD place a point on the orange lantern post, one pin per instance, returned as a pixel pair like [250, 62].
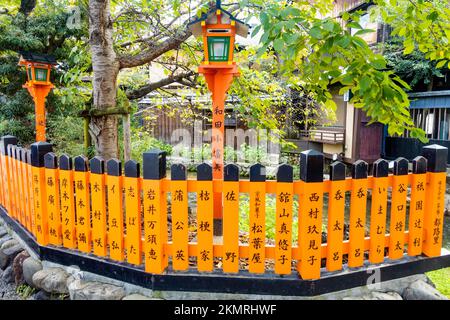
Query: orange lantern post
[38, 74]
[218, 29]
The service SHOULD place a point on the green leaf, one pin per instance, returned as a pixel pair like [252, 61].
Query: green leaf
[278, 45]
[316, 33]
[441, 64]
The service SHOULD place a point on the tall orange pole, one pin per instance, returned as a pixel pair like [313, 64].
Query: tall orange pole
[39, 93]
[219, 79]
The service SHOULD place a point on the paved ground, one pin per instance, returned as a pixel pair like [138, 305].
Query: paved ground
[8, 291]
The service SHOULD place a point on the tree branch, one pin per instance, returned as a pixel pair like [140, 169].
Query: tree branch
[144, 90]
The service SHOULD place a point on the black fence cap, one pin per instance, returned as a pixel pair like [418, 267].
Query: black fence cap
[285, 173]
[337, 171]
[23, 154]
[114, 167]
[51, 161]
[231, 172]
[311, 166]
[204, 172]
[5, 141]
[401, 166]
[360, 170]
[178, 172]
[19, 153]
[380, 168]
[28, 156]
[97, 165]
[419, 164]
[132, 169]
[38, 151]
[154, 164]
[65, 162]
[81, 163]
[257, 173]
[436, 156]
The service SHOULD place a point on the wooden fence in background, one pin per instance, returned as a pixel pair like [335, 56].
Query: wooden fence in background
[94, 207]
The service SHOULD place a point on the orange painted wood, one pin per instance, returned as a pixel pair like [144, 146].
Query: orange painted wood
[84, 236]
[358, 205]
[434, 214]
[7, 179]
[19, 190]
[98, 213]
[154, 226]
[283, 231]
[115, 217]
[417, 207]
[133, 220]
[2, 181]
[205, 206]
[31, 197]
[231, 227]
[67, 208]
[378, 219]
[398, 216]
[310, 230]
[335, 234]
[257, 236]
[53, 206]
[14, 194]
[40, 205]
[180, 225]
[26, 192]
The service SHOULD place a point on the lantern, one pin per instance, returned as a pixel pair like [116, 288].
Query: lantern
[38, 84]
[38, 67]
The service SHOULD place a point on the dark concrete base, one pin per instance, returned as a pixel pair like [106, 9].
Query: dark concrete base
[219, 282]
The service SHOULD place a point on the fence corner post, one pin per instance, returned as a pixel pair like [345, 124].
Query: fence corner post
[155, 211]
[38, 152]
[310, 214]
[436, 156]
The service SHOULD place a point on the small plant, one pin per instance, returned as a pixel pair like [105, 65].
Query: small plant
[25, 291]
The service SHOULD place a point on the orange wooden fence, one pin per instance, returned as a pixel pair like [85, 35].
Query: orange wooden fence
[94, 207]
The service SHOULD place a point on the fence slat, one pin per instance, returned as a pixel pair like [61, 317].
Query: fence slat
[133, 212]
[83, 224]
[67, 195]
[5, 142]
[358, 205]
[417, 206]
[205, 207]
[436, 156]
[180, 223]
[283, 220]
[231, 219]
[53, 203]
[398, 208]
[310, 214]
[336, 200]
[38, 150]
[98, 202]
[26, 189]
[22, 183]
[257, 215]
[378, 211]
[19, 185]
[31, 193]
[155, 208]
[114, 185]
[13, 178]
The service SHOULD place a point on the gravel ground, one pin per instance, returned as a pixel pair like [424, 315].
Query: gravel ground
[8, 291]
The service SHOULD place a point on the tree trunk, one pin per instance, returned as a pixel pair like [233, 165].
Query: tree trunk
[103, 129]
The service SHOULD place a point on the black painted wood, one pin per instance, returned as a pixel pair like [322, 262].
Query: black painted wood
[257, 173]
[311, 166]
[360, 170]
[400, 166]
[97, 165]
[38, 151]
[285, 173]
[178, 172]
[132, 169]
[436, 156]
[81, 163]
[154, 163]
[114, 167]
[51, 161]
[419, 164]
[231, 172]
[204, 172]
[65, 162]
[5, 141]
[337, 171]
[380, 168]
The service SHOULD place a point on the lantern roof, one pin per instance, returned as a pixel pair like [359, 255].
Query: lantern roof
[36, 57]
[211, 18]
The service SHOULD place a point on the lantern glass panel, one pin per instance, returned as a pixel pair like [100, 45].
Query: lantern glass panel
[40, 74]
[218, 48]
